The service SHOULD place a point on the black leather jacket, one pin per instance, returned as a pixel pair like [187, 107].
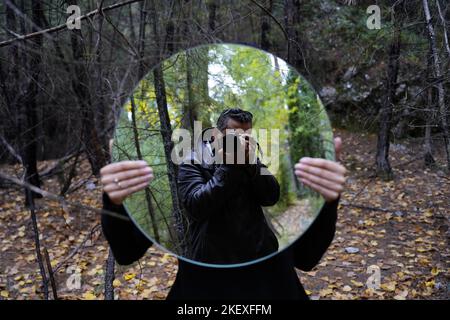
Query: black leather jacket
[274, 278]
[223, 208]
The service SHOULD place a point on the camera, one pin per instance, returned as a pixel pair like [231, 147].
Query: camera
[234, 144]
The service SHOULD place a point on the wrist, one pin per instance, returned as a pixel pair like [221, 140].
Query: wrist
[112, 205]
[333, 201]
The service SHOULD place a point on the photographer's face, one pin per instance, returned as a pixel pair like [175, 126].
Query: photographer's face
[238, 126]
[232, 125]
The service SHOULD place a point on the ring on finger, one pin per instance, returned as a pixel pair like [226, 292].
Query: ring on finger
[117, 182]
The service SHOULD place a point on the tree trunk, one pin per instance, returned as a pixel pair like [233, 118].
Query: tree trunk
[428, 157]
[384, 169]
[295, 44]
[97, 149]
[439, 80]
[109, 276]
[29, 107]
[141, 41]
[265, 29]
[37, 244]
[10, 84]
[429, 116]
[212, 9]
[444, 25]
[102, 121]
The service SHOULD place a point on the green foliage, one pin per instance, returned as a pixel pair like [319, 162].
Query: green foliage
[310, 131]
[201, 83]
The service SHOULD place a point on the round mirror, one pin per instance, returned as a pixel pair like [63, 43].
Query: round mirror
[222, 126]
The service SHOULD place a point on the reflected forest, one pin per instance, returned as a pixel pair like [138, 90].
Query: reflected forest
[192, 88]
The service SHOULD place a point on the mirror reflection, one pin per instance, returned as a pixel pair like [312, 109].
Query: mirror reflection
[222, 126]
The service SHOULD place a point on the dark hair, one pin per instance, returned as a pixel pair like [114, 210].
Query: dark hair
[235, 114]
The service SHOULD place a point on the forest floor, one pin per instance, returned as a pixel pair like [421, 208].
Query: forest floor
[397, 228]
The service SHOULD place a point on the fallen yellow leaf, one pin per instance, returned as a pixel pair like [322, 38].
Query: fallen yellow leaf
[325, 292]
[129, 276]
[390, 286]
[89, 296]
[116, 283]
[435, 271]
[357, 283]
[430, 283]
[20, 277]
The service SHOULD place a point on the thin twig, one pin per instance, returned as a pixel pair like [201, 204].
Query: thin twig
[273, 18]
[11, 149]
[74, 251]
[64, 202]
[37, 243]
[51, 274]
[346, 204]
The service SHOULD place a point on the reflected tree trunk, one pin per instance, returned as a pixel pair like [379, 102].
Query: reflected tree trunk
[197, 102]
[293, 121]
[166, 133]
[148, 196]
[190, 108]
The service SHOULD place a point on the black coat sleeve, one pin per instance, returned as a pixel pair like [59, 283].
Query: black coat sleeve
[127, 242]
[309, 249]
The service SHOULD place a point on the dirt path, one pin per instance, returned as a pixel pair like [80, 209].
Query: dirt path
[293, 222]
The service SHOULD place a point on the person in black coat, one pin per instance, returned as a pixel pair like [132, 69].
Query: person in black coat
[272, 278]
[223, 201]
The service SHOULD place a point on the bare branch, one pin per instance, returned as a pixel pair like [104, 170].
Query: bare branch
[62, 26]
[59, 199]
